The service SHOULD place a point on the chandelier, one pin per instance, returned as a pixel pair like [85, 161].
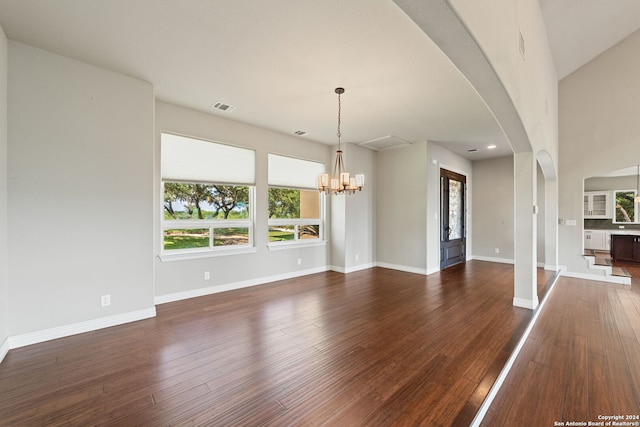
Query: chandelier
[340, 182]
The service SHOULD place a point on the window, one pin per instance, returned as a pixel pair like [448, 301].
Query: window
[296, 208]
[208, 193]
[625, 207]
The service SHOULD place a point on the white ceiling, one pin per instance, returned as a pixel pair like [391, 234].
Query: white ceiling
[278, 62]
[580, 30]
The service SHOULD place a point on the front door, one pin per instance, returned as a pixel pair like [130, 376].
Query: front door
[452, 218]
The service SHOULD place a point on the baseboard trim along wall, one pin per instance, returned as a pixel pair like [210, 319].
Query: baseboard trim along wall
[4, 349]
[351, 269]
[79, 328]
[598, 278]
[177, 296]
[492, 259]
[526, 303]
[402, 268]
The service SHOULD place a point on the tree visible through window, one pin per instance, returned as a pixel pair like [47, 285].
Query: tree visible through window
[202, 203]
[625, 206]
[208, 191]
[293, 214]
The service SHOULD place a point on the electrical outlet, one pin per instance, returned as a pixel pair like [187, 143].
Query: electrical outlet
[299, 261]
[105, 300]
[497, 250]
[207, 275]
[357, 257]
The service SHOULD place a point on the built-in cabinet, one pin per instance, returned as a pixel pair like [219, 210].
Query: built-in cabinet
[598, 240]
[625, 248]
[597, 205]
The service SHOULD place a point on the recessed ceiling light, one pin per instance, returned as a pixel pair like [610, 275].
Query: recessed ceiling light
[491, 147]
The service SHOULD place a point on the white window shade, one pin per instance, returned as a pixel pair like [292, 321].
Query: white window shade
[194, 160]
[293, 173]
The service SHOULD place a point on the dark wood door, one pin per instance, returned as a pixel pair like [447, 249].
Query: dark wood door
[452, 218]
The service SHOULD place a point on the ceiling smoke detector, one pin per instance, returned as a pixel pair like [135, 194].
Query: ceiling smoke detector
[223, 107]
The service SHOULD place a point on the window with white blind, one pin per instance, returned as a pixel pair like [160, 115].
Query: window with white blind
[296, 208]
[208, 196]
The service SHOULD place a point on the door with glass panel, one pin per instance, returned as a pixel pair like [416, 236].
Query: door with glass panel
[452, 218]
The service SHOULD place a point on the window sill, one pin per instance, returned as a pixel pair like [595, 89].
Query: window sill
[280, 246]
[205, 254]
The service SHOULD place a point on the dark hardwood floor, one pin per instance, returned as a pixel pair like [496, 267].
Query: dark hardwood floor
[581, 360]
[375, 347]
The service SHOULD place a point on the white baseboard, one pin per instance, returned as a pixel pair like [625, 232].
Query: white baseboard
[177, 296]
[4, 349]
[492, 259]
[78, 328]
[351, 269]
[432, 270]
[402, 268]
[609, 279]
[526, 303]
[550, 267]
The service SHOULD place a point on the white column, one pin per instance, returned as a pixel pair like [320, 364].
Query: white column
[551, 225]
[525, 177]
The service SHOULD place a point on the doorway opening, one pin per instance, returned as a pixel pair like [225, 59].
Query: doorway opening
[452, 218]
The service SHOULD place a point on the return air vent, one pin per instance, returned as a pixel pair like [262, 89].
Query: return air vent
[384, 143]
[223, 107]
[300, 133]
[473, 150]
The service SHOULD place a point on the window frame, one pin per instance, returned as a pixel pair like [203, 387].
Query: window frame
[297, 222]
[212, 225]
[636, 205]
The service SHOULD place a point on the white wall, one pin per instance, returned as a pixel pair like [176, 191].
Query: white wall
[599, 130]
[401, 208]
[531, 81]
[540, 227]
[447, 160]
[360, 212]
[610, 183]
[80, 147]
[180, 279]
[493, 221]
[408, 205]
[4, 254]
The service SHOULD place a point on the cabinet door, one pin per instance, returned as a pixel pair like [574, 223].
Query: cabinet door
[587, 205]
[622, 247]
[636, 249]
[597, 204]
[596, 240]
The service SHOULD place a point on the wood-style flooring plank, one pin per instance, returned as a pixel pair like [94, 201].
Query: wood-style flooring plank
[375, 347]
[586, 345]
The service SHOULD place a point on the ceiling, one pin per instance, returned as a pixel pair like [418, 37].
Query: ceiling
[278, 62]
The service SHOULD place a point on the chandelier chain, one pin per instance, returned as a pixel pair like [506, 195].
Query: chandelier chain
[339, 118]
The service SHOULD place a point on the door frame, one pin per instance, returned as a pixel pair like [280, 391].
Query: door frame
[443, 173]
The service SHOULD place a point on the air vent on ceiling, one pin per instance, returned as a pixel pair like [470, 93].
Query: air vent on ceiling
[223, 107]
[473, 150]
[384, 143]
[300, 133]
